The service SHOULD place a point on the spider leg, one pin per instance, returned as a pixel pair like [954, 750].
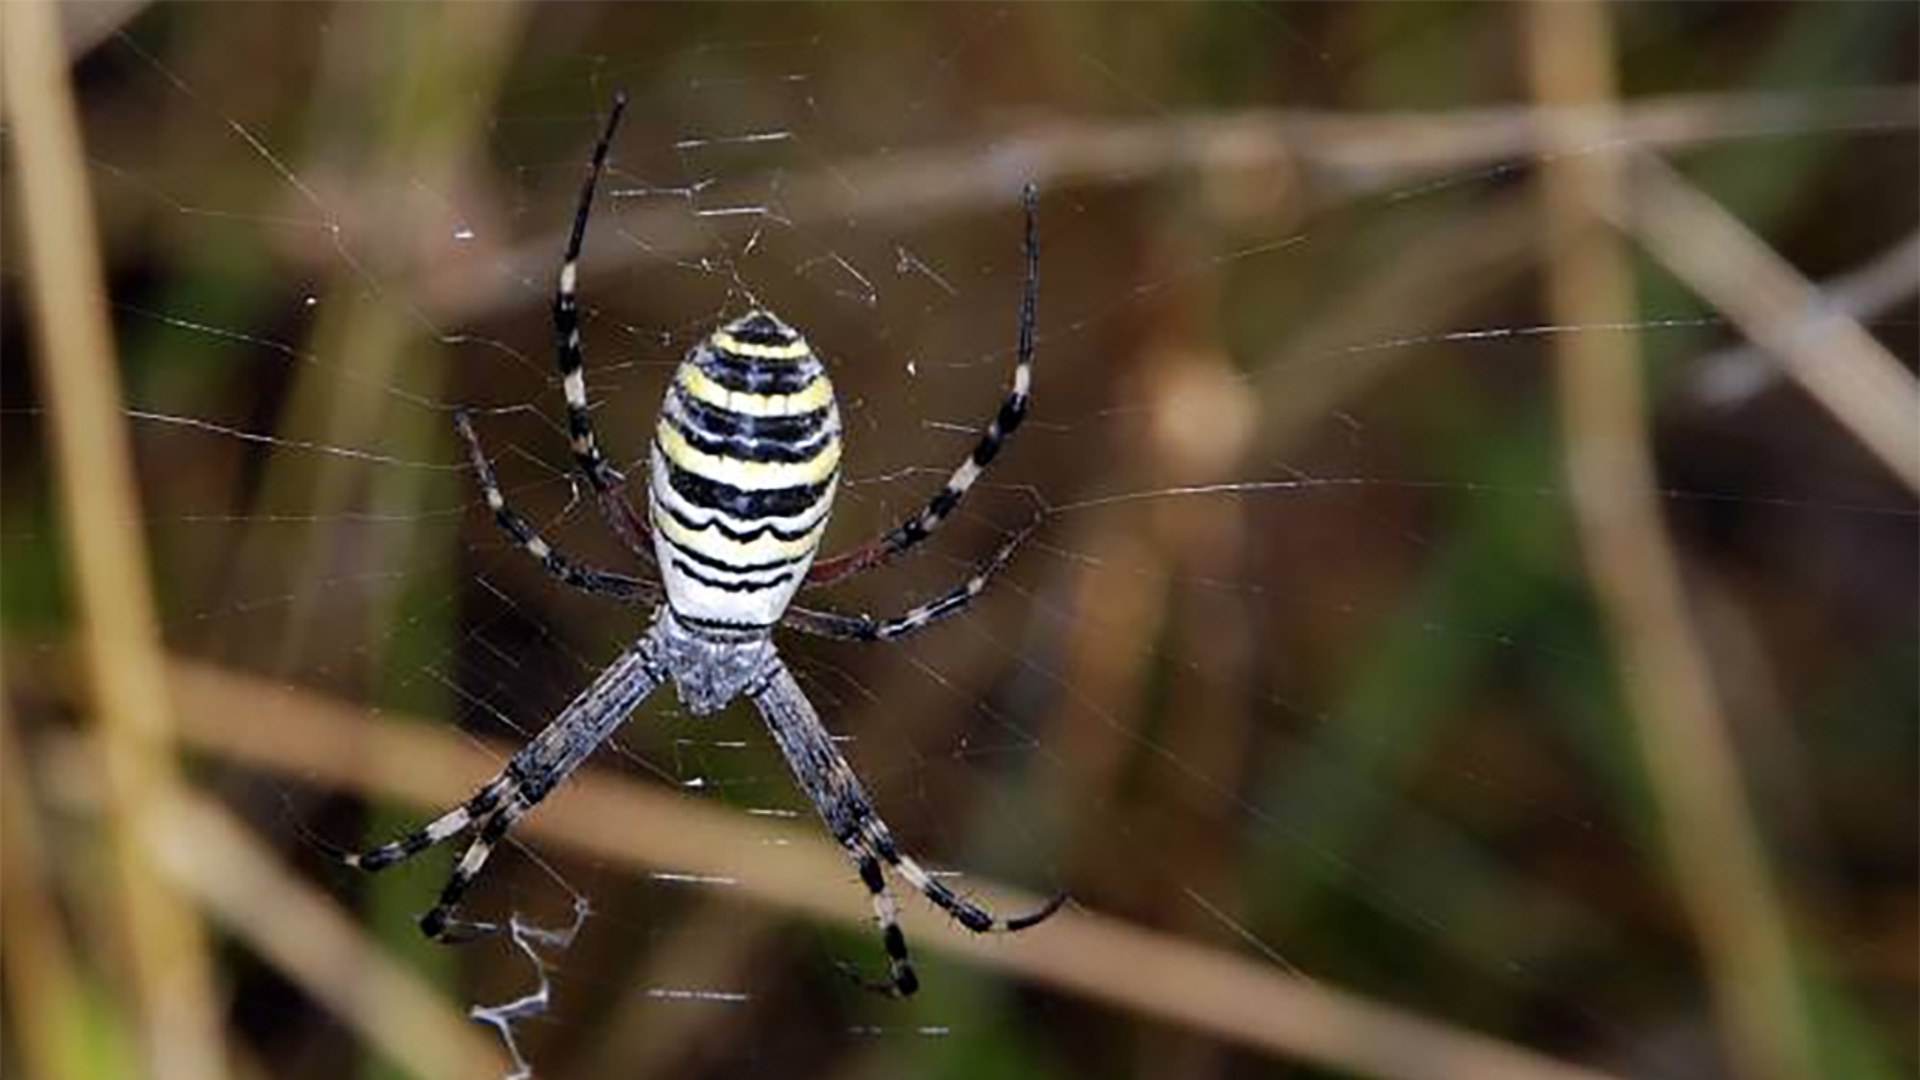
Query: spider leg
[965, 912]
[585, 578]
[629, 524]
[830, 783]
[438, 831]
[832, 624]
[901, 980]
[1013, 410]
[530, 774]
[438, 922]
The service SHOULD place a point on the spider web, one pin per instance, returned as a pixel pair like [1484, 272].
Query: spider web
[1302, 667]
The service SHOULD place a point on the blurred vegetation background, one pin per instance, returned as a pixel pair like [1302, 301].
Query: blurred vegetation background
[1472, 632]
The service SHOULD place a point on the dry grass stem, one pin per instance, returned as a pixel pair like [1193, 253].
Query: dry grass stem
[1818, 345]
[1714, 852]
[317, 945]
[169, 971]
[85, 26]
[794, 868]
[1353, 154]
[44, 994]
[1314, 373]
[1731, 375]
[1438, 660]
[712, 946]
[440, 104]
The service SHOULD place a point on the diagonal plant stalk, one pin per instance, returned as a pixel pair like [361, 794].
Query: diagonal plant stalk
[796, 869]
[1819, 345]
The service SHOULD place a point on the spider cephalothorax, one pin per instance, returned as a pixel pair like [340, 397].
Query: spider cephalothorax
[741, 477]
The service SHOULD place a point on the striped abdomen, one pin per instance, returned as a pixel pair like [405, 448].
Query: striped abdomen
[745, 460]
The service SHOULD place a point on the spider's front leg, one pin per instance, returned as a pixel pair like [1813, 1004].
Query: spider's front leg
[909, 533]
[832, 624]
[627, 523]
[586, 578]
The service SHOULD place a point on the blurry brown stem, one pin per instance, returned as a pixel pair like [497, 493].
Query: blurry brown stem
[1730, 375]
[419, 123]
[1298, 389]
[1821, 347]
[711, 945]
[1350, 154]
[43, 989]
[318, 946]
[85, 26]
[1714, 853]
[317, 740]
[169, 969]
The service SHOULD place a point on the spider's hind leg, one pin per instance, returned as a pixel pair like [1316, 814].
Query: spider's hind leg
[484, 809]
[966, 912]
[849, 815]
[539, 767]
[433, 833]
[901, 980]
[438, 922]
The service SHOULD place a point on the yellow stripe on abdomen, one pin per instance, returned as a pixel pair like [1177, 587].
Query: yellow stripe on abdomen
[743, 474]
[792, 350]
[716, 545]
[699, 385]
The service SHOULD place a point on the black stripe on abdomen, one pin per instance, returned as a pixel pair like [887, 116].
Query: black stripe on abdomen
[755, 376]
[724, 433]
[741, 505]
[732, 586]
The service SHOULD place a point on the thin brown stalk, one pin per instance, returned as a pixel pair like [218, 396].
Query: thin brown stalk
[711, 947]
[1350, 154]
[421, 125]
[1731, 375]
[1819, 346]
[1312, 374]
[85, 26]
[316, 945]
[616, 820]
[1713, 850]
[169, 971]
[44, 993]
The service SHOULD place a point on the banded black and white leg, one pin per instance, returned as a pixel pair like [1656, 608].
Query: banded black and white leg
[569, 571]
[607, 483]
[833, 624]
[843, 806]
[901, 980]
[529, 776]
[904, 536]
[964, 911]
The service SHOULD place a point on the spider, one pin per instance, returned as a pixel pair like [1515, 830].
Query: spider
[744, 462]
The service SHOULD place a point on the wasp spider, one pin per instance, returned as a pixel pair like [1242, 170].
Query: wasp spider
[742, 472]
